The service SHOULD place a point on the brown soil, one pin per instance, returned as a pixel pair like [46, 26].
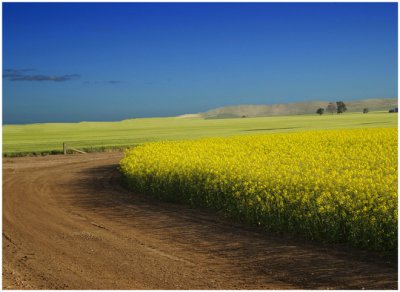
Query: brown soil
[69, 224]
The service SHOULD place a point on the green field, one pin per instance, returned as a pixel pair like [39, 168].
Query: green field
[42, 138]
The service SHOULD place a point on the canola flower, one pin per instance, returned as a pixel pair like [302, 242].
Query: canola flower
[333, 185]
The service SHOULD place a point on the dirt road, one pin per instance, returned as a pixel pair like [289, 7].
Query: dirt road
[69, 224]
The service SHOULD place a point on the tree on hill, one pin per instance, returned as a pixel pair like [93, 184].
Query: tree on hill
[331, 108]
[365, 110]
[341, 107]
[320, 111]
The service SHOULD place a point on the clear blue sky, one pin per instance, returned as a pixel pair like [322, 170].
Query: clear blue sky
[103, 61]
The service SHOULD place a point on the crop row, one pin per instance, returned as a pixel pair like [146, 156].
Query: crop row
[336, 185]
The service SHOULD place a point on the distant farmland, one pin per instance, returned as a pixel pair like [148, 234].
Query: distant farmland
[39, 138]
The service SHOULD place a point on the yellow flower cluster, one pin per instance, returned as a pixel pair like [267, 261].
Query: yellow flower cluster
[333, 185]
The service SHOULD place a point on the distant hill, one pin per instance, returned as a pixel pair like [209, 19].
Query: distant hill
[295, 108]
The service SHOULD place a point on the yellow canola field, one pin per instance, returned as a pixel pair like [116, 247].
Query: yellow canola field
[333, 185]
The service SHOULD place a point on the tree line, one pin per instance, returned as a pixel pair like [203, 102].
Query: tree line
[338, 107]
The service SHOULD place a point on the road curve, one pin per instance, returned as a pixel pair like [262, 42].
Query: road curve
[69, 224]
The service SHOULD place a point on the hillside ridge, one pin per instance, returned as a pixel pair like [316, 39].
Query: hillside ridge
[293, 108]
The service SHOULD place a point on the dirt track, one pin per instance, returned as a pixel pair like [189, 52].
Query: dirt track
[68, 224]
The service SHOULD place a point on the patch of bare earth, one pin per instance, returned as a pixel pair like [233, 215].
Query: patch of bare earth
[68, 224]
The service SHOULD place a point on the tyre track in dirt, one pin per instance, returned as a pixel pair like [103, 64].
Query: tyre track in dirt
[69, 224]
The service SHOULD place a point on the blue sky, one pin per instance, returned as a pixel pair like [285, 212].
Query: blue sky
[111, 61]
